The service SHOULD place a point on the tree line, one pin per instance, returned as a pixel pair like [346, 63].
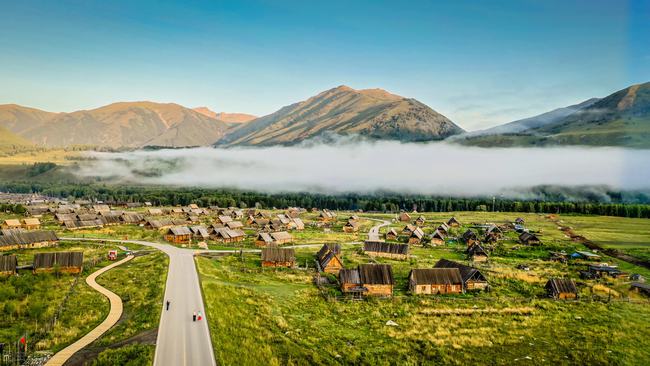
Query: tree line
[379, 202]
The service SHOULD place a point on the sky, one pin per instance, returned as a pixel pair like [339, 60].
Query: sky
[480, 63]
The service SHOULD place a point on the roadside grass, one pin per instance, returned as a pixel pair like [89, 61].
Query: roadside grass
[131, 355]
[278, 316]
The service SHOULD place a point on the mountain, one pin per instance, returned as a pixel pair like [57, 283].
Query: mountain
[125, 124]
[231, 118]
[373, 113]
[620, 119]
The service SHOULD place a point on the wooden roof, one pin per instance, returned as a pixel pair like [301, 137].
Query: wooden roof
[466, 272]
[376, 274]
[276, 254]
[281, 235]
[384, 247]
[436, 276]
[561, 285]
[28, 237]
[179, 230]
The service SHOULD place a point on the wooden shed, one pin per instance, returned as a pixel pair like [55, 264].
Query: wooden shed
[281, 237]
[329, 259]
[8, 264]
[200, 232]
[350, 281]
[473, 279]
[561, 288]
[326, 216]
[391, 234]
[443, 228]
[387, 250]
[234, 224]
[420, 220]
[278, 257]
[477, 253]
[226, 235]
[11, 224]
[377, 279]
[408, 229]
[31, 223]
[404, 217]
[298, 224]
[433, 281]
[453, 222]
[416, 236]
[529, 239]
[178, 235]
[68, 262]
[469, 238]
[351, 227]
[437, 238]
[28, 239]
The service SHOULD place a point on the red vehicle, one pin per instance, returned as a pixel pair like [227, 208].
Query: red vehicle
[112, 255]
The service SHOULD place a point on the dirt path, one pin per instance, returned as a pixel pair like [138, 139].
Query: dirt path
[113, 316]
[593, 246]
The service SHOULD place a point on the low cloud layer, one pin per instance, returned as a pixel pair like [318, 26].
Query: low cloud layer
[365, 167]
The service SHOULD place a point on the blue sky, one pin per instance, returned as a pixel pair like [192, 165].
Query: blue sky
[480, 63]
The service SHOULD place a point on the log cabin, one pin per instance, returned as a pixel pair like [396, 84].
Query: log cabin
[326, 216]
[416, 236]
[477, 253]
[223, 219]
[494, 231]
[329, 259]
[31, 223]
[11, 224]
[404, 217]
[377, 279]
[434, 281]
[408, 229]
[561, 288]
[453, 222]
[469, 238]
[387, 250]
[529, 239]
[420, 220]
[178, 235]
[281, 237]
[225, 235]
[437, 238]
[154, 211]
[263, 239]
[200, 232]
[28, 240]
[351, 227]
[67, 262]
[298, 224]
[443, 228]
[278, 257]
[473, 279]
[234, 225]
[391, 234]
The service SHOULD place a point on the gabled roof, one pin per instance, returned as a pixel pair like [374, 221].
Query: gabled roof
[234, 224]
[475, 249]
[350, 276]
[376, 274]
[281, 235]
[179, 230]
[383, 247]
[417, 233]
[28, 237]
[31, 221]
[12, 222]
[436, 276]
[525, 236]
[466, 272]
[453, 220]
[438, 235]
[265, 237]
[561, 285]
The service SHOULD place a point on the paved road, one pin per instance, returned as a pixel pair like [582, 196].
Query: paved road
[113, 316]
[373, 233]
[180, 340]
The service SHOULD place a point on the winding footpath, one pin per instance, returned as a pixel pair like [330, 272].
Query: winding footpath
[114, 315]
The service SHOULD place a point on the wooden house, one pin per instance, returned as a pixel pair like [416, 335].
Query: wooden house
[8, 264]
[31, 223]
[350, 281]
[420, 220]
[200, 232]
[298, 224]
[561, 288]
[329, 259]
[176, 211]
[519, 221]
[453, 222]
[469, 238]
[494, 231]
[529, 239]
[154, 211]
[473, 279]
[101, 208]
[326, 216]
[377, 279]
[263, 239]
[226, 235]
[416, 236]
[132, 218]
[433, 281]
[224, 219]
[284, 219]
[387, 250]
[11, 224]
[193, 206]
[351, 227]
[477, 253]
[437, 238]
[234, 225]
[161, 224]
[281, 237]
[260, 223]
[178, 235]
[278, 257]
[67, 262]
[28, 239]
[408, 229]
[443, 228]
[404, 217]
[391, 234]
[640, 287]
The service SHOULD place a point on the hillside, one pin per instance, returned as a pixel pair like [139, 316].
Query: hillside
[373, 113]
[12, 143]
[230, 118]
[620, 119]
[127, 124]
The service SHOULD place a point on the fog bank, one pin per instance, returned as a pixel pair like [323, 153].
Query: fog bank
[366, 167]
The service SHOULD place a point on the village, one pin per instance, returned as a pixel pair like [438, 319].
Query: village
[340, 257]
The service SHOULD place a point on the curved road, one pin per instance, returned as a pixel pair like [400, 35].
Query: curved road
[180, 340]
[111, 319]
[373, 233]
